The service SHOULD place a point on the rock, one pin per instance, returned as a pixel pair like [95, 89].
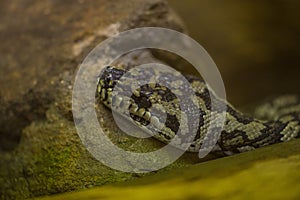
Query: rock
[51, 42]
[41, 152]
[266, 173]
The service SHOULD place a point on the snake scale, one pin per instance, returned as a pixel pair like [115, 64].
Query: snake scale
[279, 119]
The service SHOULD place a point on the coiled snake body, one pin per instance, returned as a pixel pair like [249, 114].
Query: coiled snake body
[279, 120]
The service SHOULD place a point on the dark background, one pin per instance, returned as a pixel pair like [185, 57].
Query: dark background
[255, 44]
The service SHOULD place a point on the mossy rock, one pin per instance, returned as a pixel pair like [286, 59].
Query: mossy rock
[41, 153]
[267, 173]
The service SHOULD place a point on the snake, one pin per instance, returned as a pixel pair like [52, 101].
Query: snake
[277, 120]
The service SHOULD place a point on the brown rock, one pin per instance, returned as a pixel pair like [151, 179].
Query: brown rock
[43, 43]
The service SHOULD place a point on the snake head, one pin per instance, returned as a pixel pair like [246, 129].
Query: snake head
[107, 80]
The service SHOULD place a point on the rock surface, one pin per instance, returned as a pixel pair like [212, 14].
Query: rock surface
[41, 152]
[267, 173]
[40, 53]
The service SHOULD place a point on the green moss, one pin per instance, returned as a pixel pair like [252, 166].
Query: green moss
[51, 159]
[267, 173]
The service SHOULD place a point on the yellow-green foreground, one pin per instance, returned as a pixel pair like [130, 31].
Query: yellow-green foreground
[267, 173]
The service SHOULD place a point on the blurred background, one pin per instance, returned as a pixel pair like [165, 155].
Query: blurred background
[255, 44]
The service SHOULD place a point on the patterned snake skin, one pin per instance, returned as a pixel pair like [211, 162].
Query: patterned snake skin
[279, 119]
